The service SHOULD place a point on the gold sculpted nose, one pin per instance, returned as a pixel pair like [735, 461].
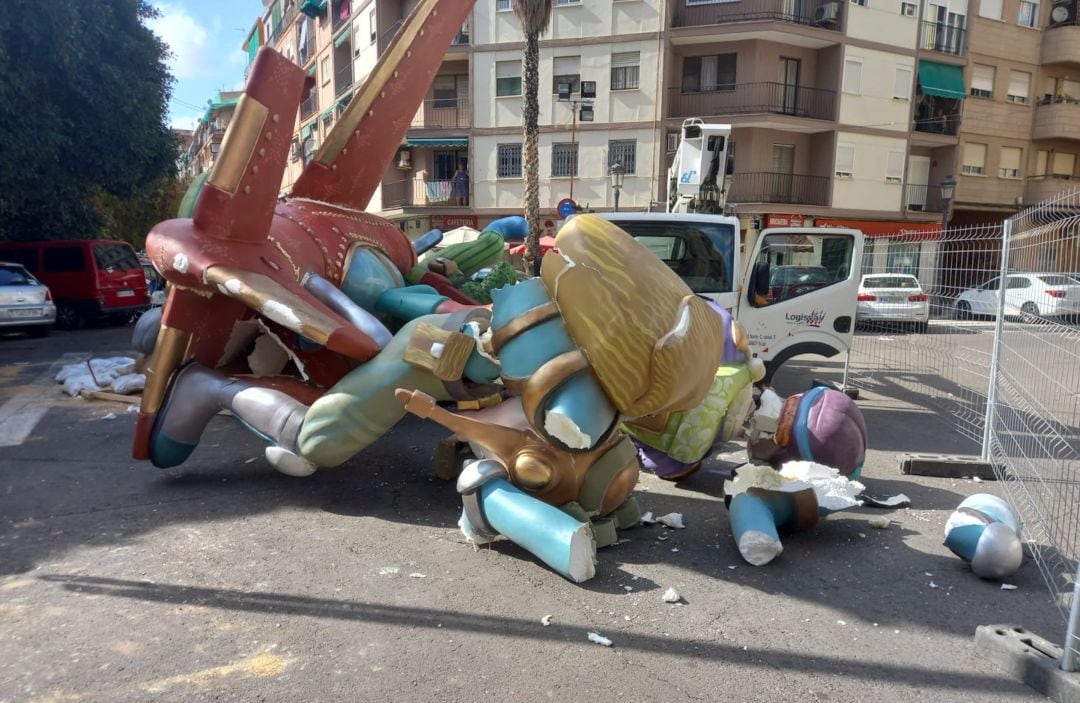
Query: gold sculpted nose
[531, 469]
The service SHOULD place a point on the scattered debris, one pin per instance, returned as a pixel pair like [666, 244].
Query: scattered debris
[661, 538]
[417, 575]
[841, 622]
[1008, 587]
[674, 550]
[628, 588]
[879, 522]
[388, 571]
[863, 535]
[671, 596]
[897, 501]
[647, 518]
[109, 416]
[546, 621]
[599, 639]
[933, 585]
[133, 408]
[672, 520]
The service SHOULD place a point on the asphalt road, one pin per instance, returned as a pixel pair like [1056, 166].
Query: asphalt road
[223, 580]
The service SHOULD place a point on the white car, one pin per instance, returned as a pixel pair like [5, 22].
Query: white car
[1026, 295]
[892, 297]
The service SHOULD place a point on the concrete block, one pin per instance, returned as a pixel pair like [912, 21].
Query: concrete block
[1029, 658]
[946, 466]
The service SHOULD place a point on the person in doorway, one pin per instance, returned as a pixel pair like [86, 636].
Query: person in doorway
[460, 183]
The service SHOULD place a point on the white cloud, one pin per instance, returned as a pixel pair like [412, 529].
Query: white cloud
[189, 41]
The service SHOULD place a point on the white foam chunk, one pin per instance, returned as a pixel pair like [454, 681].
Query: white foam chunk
[564, 429]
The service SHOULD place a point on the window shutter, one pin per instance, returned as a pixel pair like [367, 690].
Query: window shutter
[566, 66]
[852, 76]
[629, 58]
[1064, 164]
[990, 8]
[1019, 85]
[1040, 162]
[1009, 162]
[894, 167]
[982, 78]
[902, 83]
[508, 69]
[974, 158]
[845, 159]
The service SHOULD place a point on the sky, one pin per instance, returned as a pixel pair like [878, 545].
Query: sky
[205, 37]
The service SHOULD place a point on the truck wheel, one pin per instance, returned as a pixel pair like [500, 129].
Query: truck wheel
[963, 310]
[68, 317]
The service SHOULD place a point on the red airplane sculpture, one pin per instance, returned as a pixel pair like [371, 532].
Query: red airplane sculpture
[244, 253]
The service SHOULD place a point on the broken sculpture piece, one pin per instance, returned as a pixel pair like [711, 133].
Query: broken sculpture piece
[538, 383]
[766, 503]
[984, 531]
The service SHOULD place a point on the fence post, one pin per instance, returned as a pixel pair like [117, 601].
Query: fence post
[999, 324]
[1072, 632]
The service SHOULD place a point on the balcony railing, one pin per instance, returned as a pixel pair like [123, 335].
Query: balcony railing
[341, 12]
[922, 198]
[947, 125]
[941, 37]
[343, 79]
[443, 113]
[754, 98]
[462, 37]
[419, 192]
[309, 106]
[770, 187]
[826, 14]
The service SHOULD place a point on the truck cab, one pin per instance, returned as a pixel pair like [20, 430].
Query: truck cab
[794, 289]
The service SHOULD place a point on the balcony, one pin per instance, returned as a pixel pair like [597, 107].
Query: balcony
[824, 14]
[1060, 45]
[309, 106]
[753, 99]
[1057, 118]
[343, 80]
[418, 192]
[462, 37]
[942, 38]
[341, 12]
[922, 198]
[1039, 188]
[771, 187]
[443, 113]
[934, 115]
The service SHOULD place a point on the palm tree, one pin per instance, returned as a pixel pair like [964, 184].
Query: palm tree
[534, 16]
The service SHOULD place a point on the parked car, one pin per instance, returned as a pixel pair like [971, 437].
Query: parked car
[89, 279]
[1026, 295]
[25, 303]
[892, 297]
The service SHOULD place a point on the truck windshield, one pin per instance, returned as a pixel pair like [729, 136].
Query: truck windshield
[701, 253]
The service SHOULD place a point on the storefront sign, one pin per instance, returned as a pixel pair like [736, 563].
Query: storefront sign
[449, 222]
[785, 220]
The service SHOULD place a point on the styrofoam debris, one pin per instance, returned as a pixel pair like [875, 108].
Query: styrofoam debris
[662, 538]
[933, 585]
[96, 374]
[647, 518]
[672, 520]
[599, 639]
[879, 522]
[895, 501]
[417, 575]
[545, 621]
[388, 571]
[109, 416]
[671, 596]
[1008, 587]
[674, 549]
[133, 408]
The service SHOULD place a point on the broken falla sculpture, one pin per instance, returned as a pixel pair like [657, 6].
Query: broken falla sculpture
[541, 381]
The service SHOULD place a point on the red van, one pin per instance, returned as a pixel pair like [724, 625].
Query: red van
[89, 279]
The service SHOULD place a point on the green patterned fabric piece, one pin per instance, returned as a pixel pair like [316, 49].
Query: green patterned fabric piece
[690, 435]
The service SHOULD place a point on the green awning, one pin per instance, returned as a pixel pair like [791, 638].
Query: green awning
[438, 142]
[327, 112]
[344, 100]
[942, 79]
[343, 38]
[305, 132]
[311, 71]
[218, 105]
[253, 45]
[312, 8]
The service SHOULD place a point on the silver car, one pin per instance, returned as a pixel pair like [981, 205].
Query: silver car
[25, 303]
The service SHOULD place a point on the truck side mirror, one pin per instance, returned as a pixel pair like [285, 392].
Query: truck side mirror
[759, 278]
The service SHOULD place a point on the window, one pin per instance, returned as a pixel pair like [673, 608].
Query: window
[1029, 13]
[974, 159]
[853, 76]
[990, 9]
[1019, 86]
[708, 73]
[672, 142]
[507, 78]
[444, 90]
[327, 123]
[624, 70]
[1041, 158]
[702, 254]
[567, 2]
[1064, 164]
[509, 161]
[845, 160]
[623, 151]
[902, 83]
[982, 81]
[64, 260]
[502, 6]
[116, 256]
[566, 69]
[324, 69]
[907, 9]
[903, 258]
[894, 167]
[1009, 166]
[563, 160]
[860, 3]
[800, 264]
[373, 27]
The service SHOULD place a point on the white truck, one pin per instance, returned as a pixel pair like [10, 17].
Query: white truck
[794, 288]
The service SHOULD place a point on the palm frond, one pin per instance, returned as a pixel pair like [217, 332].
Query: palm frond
[534, 15]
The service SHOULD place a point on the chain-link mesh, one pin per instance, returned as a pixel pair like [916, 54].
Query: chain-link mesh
[940, 314]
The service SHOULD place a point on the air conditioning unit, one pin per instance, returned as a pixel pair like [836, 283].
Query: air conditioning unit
[829, 13]
[1062, 12]
[404, 160]
[297, 150]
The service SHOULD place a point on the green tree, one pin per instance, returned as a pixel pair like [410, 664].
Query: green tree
[534, 16]
[83, 95]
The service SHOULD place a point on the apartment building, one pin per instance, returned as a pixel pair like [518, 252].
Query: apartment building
[201, 147]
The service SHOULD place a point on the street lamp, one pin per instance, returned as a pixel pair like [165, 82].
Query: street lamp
[617, 172]
[948, 186]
